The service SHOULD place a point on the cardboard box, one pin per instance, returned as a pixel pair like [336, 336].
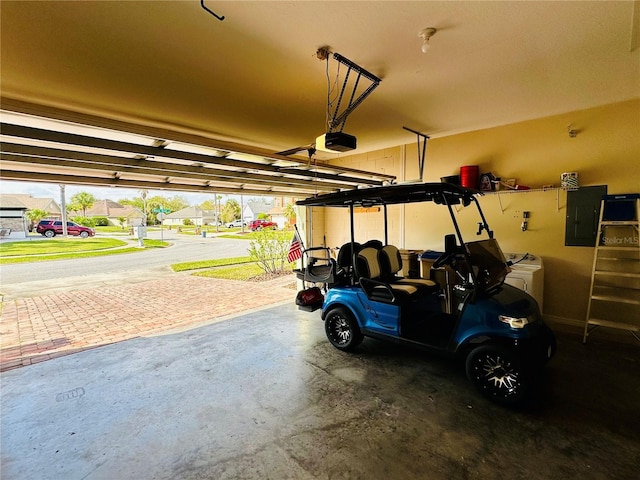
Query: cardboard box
[620, 208]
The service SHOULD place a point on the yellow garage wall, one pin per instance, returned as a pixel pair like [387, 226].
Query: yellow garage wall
[606, 151]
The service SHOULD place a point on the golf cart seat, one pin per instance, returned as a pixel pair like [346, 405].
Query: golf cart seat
[367, 269]
[317, 269]
[377, 244]
[344, 261]
[391, 264]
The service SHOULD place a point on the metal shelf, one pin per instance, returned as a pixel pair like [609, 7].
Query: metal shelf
[530, 190]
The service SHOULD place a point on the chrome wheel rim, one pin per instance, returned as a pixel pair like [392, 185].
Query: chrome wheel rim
[340, 330]
[497, 375]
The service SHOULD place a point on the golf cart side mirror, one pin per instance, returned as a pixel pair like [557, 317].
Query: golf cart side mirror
[450, 243]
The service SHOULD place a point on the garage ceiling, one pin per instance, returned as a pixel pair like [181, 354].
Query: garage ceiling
[209, 102]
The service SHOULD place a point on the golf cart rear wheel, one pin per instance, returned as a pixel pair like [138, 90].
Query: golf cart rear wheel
[342, 329]
[498, 374]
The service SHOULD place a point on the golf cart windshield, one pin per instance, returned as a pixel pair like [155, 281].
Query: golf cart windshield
[488, 263]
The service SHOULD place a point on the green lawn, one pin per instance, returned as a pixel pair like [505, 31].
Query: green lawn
[279, 234]
[240, 268]
[66, 248]
[112, 229]
[181, 267]
[232, 272]
[59, 245]
[233, 268]
[124, 231]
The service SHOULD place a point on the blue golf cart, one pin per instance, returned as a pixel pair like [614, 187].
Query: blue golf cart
[461, 308]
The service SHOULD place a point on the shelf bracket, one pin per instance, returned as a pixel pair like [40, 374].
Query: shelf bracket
[500, 202]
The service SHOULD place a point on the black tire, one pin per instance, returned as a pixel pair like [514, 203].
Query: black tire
[552, 343]
[342, 329]
[49, 233]
[84, 234]
[499, 374]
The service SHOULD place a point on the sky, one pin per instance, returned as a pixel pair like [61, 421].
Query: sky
[52, 190]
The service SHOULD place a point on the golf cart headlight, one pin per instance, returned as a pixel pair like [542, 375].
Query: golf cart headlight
[514, 322]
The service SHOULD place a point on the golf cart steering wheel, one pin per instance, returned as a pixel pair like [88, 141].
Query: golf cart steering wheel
[444, 259]
[450, 252]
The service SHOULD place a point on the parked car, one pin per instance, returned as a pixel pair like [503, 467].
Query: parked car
[261, 224]
[236, 224]
[51, 228]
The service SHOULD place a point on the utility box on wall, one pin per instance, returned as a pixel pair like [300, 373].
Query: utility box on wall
[583, 214]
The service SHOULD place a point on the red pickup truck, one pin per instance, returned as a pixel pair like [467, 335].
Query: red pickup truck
[260, 224]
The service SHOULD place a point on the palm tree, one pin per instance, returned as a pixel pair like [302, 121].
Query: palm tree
[82, 200]
[35, 216]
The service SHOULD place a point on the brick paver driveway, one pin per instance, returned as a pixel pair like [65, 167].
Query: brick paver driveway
[42, 327]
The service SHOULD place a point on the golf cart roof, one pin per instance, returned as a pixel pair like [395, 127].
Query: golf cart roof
[392, 194]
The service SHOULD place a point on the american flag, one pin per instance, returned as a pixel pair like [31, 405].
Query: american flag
[295, 249]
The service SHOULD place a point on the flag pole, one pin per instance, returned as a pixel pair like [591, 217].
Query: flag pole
[299, 236]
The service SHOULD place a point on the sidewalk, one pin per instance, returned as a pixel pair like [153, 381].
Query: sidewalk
[64, 321]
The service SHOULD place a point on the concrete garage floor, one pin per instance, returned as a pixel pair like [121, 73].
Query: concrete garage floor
[264, 396]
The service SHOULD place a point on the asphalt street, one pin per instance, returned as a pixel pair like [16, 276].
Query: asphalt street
[21, 279]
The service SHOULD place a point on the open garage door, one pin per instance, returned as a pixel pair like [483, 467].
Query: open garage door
[45, 144]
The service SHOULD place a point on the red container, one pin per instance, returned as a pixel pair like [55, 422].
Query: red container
[469, 176]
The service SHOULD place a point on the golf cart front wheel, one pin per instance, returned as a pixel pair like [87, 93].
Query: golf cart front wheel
[498, 373]
[342, 329]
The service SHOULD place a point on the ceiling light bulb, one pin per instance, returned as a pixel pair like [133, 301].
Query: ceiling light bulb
[425, 35]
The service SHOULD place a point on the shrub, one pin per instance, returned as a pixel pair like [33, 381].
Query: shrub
[85, 221]
[269, 250]
[187, 221]
[100, 221]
